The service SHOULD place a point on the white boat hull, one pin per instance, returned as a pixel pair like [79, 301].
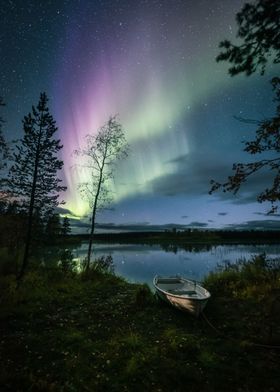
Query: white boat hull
[183, 294]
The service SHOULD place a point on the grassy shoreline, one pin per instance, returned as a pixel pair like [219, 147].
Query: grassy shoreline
[63, 332]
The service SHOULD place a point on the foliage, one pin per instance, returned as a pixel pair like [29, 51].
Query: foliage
[12, 226]
[143, 296]
[33, 176]
[251, 289]
[267, 140]
[3, 145]
[66, 228]
[53, 228]
[67, 264]
[104, 264]
[32, 179]
[101, 153]
[237, 279]
[258, 30]
[8, 261]
[61, 332]
[4, 156]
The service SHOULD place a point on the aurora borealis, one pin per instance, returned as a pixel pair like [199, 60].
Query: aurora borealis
[153, 63]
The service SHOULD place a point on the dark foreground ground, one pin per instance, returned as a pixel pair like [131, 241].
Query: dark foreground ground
[63, 332]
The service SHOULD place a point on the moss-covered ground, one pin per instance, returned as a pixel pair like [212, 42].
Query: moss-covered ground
[63, 332]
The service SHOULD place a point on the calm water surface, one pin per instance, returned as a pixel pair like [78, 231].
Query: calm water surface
[140, 263]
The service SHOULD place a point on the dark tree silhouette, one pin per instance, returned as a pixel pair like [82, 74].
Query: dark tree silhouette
[66, 228]
[53, 228]
[12, 225]
[259, 31]
[4, 152]
[32, 179]
[101, 153]
[3, 144]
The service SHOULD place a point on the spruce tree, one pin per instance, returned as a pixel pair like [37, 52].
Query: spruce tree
[66, 228]
[33, 179]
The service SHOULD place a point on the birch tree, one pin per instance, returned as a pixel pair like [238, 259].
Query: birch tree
[101, 153]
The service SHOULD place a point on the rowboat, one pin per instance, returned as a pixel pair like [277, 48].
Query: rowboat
[184, 294]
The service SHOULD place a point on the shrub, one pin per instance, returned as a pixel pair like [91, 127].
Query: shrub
[66, 263]
[143, 296]
[104, 264]
[8, 261]
[245, 278]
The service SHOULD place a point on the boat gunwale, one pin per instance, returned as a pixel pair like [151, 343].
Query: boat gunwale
[180, 296]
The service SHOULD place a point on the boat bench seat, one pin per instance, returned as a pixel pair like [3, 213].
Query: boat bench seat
[182, 292]
[168, 281]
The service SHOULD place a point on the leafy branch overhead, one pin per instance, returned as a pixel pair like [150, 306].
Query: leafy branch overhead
[267, 140]
[259, 31]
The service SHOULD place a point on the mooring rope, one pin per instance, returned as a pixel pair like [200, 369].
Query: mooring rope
[235, 340]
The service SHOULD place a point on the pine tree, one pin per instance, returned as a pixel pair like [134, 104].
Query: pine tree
[33, 177]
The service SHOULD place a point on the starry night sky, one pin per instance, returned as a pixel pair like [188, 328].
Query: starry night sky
[152, 62]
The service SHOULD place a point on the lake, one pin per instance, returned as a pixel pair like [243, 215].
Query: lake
[140, 263]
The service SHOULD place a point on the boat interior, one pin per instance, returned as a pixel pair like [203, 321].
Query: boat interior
[180, 287]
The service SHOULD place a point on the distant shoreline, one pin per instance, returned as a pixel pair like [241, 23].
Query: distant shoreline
[192, 237]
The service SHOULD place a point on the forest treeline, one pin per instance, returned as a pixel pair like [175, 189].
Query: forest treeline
[190, 236]
[31, 187]
[46, 230]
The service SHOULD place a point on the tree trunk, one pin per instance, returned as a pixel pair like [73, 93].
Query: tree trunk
[30, 211]
[27, 242]
[93, 215]
[91, 234]
[93, 222]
